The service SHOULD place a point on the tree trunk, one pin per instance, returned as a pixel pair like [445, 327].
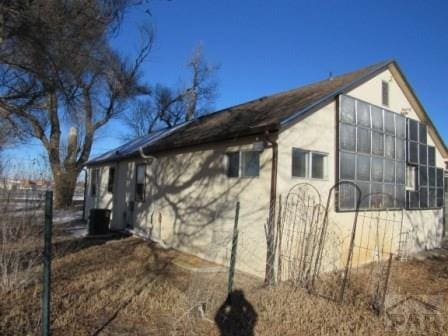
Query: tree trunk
[64, 188]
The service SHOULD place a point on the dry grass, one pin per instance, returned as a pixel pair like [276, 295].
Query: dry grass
[131, 287]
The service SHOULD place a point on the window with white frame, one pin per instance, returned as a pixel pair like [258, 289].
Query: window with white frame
[243, 164]
[309, 164]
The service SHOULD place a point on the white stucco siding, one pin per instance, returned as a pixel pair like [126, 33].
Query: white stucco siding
[190, 203]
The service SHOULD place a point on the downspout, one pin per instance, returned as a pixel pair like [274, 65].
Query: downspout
[270, 230]
[85, 194]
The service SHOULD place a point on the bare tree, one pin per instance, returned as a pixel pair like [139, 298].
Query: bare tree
[58, 72]
[167, 107]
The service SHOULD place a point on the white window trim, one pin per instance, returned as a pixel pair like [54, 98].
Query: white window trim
[309, 166]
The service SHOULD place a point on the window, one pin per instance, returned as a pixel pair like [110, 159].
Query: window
[385, 93]
[372, 155]
[411, 178]
[299, 163]
[250, 164]
[110, 182]
[94, 182]
[140, 177]
[309, 164]
[233, 164]
[247, 162]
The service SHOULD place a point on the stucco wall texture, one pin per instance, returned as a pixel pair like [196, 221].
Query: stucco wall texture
[190, 202]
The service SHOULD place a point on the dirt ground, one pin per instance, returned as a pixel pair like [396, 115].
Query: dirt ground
[128, 286]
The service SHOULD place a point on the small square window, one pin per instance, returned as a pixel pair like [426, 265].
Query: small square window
[233, 164]
[385, 93]
[250, 164]
[300, 164]
[110, 181]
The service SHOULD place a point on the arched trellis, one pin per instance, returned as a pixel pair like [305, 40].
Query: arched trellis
[303, 233]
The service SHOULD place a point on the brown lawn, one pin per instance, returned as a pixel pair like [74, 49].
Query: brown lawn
[128, 286]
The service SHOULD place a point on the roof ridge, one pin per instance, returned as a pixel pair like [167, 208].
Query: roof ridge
[373, 66]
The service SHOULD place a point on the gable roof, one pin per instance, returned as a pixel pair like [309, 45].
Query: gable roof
[270, 113]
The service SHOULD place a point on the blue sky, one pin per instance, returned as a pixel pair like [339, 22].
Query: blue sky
[268, 46]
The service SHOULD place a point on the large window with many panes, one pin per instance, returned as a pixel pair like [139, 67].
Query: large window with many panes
[379, 150]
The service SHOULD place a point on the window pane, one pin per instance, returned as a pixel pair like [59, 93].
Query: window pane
[347, 109]
[400, 122]
[400, 172]
[400, 150]
[389, 150]
[377, 169]
[318, 166]
[411, 177]
[422, 133]
[389, 171]
[423, 154]
[432, 198]
[363, 168]
[439, 201]
[389, 195]
[377, 118]
[347, 161]
[363, 114]
[423, 197]
[378, 143]
[400, 196]
[376, 196]
[412, 130]
[140, 173]
[439, 177]
[414, 200]
[431, 156]
[348, 137]
[423, 174]
[413, 152]
[364, 188]
[299, 163]
[389, 122]
[233, 164]
[431, 176]
[346, 197]
[251, 164]
[363, 140]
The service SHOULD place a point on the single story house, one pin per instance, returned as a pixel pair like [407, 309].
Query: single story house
[180, 186]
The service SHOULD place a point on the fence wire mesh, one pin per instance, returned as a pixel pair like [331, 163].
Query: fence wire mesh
[21, 244]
